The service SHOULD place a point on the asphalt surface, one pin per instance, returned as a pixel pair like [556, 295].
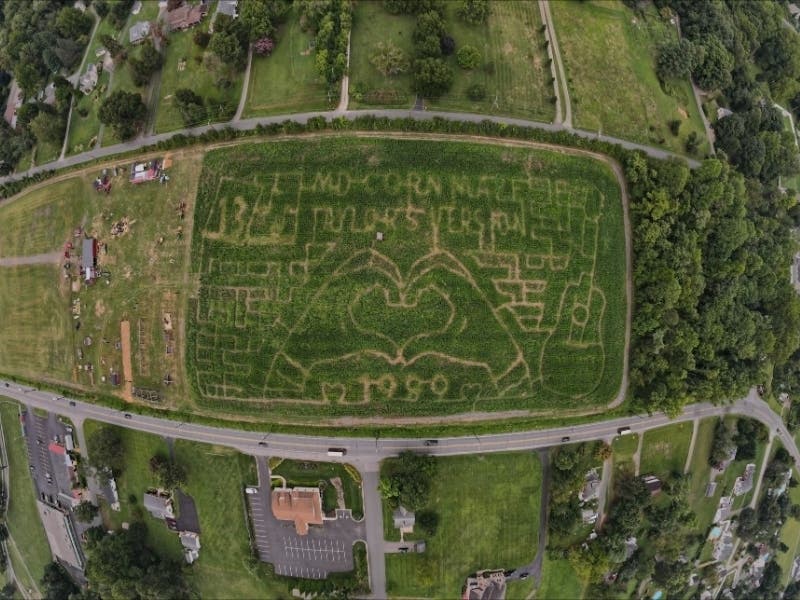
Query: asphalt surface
[366, 453]
[247, 124]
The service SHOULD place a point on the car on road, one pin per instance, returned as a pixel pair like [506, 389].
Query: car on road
[128, 416]
[431, 442]
[403, 549]
[565, 439]
[263, 443]
[624, 430]
[337, 451]
[72, 402]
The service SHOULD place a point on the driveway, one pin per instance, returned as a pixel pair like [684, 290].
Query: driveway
[327, 549]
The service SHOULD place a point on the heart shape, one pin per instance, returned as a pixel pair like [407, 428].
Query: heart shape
[393, 316]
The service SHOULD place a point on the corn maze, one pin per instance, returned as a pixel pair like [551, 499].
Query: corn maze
[346, 276]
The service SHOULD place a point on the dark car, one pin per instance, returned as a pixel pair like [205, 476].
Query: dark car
[262, 443]
[431, 442]
[128, 416]
[565, 439]
[403, 549]
[72, 402]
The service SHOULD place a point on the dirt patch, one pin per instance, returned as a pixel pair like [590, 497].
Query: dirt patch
[682, 112]
[373, 161]
[508, 48]
[99, 308]
[127, 369]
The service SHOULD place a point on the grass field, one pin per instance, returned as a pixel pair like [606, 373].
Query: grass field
[470, 302]
[513, 68]
[309, 474]
[559, 581]
[29, 551]
[664, 450]
[186, 65]
[704, 508]
[790, 535]
[148, 279]
[216, 480]
[133, 483]
[287, 80]
[609, 56]
[488, 518]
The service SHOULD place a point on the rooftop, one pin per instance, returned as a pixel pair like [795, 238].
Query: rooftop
[301, 505]
[158, 505]
[139, 31]
[61, 535]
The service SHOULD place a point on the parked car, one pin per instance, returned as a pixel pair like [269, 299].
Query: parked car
[565, 439]
[128, 416]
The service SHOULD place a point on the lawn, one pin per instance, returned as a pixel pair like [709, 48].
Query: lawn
[133, 483]
[790, 535]
[216, 479]
[609, 56]
[28, 547]
[186, 65]
[559, 581]
[488, 510]
[513, 69]
[287, 80]
[664, 450]
[309, 474]
[148, 279]
[700, 470]
[451, 311]
[624, 447]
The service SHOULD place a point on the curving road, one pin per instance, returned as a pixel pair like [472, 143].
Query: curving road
[366, 453]
[247, 124]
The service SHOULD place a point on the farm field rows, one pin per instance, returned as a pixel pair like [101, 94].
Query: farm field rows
[338, 289]
[609, 56]
[71, 325]
[488, 509]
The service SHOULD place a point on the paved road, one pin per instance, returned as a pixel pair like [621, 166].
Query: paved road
[247, 124]
[562, 77]
[366, 453]
[243, 96]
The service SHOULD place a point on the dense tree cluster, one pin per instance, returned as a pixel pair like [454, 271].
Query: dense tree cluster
[714, 307]
[569, 467]
[143, 66]
[330, 20]
[57, 584]
[122, 565]
[107, 451]
[39, 39]
[474, 12]
[169, 473]
[407, 480]
[230, 41]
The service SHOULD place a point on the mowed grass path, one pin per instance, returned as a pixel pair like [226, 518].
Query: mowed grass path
[287, 80]
[488, 510]
[609, 56]
[700, 470]
[513, 65]
[664, 450]
[148, 278]
[30, 552]
[469, 302]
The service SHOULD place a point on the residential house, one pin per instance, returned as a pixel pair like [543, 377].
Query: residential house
[80, 5]
[589, 515]
[136, 8]
[191, 545]
[88, 81]
[48, 94]
[186, 16]
[591, 487]
[159, 504]
[744, 483]
[723, 509]
[228, 7]
[711, 489]
[139, 32]
[303, 505]
[794, 11]
[403, 519]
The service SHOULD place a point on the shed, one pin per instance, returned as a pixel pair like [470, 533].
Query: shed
[403, 518]
[139, 32]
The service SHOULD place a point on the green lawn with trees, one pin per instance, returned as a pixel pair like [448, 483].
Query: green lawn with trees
[486, 516]
[609, 53]
[29, 551]
[286, 80]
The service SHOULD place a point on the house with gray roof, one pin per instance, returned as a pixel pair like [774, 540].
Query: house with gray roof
[403, 519]
[139, 32]
[159, 504]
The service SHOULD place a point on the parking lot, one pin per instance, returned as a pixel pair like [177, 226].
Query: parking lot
[50, 479]
[326, 549]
